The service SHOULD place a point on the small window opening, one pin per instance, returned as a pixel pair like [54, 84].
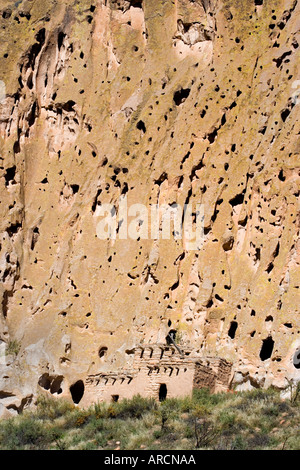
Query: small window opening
[102, 351]
[232, 329]
[171, 336]
[162, 392]
[266, 349]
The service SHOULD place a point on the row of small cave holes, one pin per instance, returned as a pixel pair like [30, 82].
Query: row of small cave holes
[7, 12]
[173, 287]
[10, 174]
[182, 94]
[76, 188]
[179, 97]
[266, 348]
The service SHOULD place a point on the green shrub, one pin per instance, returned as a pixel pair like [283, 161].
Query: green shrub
[187, 404]
[55, 436]
[13, 347]
[99, 410]
[78, 418]
[134, 408]
[22, 433]
[52, 408]
[258, 440]
[204, 397]
[226, 419]
[94, 425]
[167, 410]
[205, 432]
[239, 443]
[270, 410]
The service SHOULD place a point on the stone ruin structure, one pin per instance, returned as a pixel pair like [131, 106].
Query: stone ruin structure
[160, 371]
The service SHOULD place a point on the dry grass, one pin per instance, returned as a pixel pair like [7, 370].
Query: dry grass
[247, 420]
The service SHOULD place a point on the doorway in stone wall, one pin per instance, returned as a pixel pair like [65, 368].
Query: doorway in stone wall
[162, 395]
[77, 391]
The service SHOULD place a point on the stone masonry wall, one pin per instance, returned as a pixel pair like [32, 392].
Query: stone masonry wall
[158, 364]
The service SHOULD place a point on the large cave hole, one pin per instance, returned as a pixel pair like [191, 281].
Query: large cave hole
[44, 381]
[296, 359]
[77, 391]
[51, 383]
[267, 348]
[136, 3]
[181, 95]
[56, 385]
[125, 5]
[237, 200]
[6, 13]
[10, 175]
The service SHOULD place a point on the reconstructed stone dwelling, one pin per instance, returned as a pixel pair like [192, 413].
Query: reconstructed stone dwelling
[160, 372]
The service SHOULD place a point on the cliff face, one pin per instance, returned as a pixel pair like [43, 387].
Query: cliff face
[160, 102]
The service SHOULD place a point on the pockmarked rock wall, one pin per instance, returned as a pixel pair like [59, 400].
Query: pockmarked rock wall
[156, 102]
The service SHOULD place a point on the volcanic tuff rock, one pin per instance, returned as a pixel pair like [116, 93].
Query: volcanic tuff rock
[162, 102]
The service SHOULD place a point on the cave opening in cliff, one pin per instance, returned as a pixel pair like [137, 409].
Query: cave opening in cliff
[296, 359]
[51, 383]
[60, 39]
[267, 348]
[232, 329]
[181, 95]
[102, 351]
[141, 126]
[10, 175]
[44, 381]
[136, 3]
[77, 391]
[56, 385]
[162, 392]
[171, 336]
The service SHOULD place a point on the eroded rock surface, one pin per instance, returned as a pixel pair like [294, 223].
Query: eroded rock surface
[162, 102]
